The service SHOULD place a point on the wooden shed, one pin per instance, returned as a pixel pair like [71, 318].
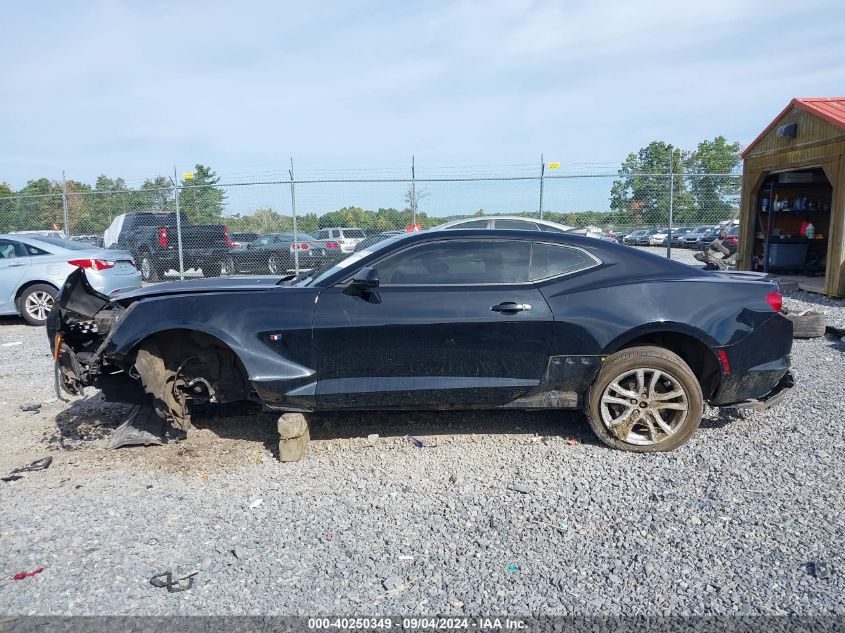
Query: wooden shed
[792, 212]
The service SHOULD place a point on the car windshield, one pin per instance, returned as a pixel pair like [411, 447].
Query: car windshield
[62, 243]
[314, 277]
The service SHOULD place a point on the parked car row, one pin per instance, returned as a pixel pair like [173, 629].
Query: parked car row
[698, 238]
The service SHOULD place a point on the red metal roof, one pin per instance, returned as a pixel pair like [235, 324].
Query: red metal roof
[831, 109]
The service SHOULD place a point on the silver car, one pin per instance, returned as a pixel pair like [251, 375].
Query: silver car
[33, 268]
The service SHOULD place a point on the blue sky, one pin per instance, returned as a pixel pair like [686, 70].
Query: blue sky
[132, 88]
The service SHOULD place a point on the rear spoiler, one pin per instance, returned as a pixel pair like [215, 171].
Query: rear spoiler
[744, 275]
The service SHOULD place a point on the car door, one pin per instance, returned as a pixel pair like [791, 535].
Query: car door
[14, 265]
[453, 323]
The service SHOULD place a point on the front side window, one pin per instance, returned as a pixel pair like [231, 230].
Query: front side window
[458, 263]
[520, 225]
[472, 224]
[549, 260]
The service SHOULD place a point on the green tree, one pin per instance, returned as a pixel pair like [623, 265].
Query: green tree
[641, 193]
[714, 194]
[201, 200]
[156, 194]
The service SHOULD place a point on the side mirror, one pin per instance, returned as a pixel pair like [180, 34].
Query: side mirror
[366, 278]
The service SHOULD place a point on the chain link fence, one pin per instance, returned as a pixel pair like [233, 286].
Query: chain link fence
[297, 224]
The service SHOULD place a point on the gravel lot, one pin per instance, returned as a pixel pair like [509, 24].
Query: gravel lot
[500, 513]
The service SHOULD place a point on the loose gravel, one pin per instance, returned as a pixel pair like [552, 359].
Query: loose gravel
[500, 512]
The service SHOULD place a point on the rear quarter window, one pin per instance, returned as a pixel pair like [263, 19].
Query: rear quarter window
[549, 260]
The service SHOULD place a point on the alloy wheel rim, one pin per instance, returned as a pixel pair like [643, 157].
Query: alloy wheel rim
[228, 266]
[38, 305]
[644, 406]
[273, 264]
[145, 268]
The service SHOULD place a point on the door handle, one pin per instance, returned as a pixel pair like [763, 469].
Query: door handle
[15, 265]
[510, 306]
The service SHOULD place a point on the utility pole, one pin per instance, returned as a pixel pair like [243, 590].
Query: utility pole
[413, 191]
[671, 197]
[542, 177]
[293, 209]
[179, 226]
[64, 206]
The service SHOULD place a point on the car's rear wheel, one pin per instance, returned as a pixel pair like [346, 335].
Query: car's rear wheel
[148, 270]
[228, 267]
[645, 399]
[212, 269]
[277, 265]
[36, 303]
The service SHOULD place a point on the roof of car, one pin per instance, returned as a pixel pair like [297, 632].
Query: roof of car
[564, 227]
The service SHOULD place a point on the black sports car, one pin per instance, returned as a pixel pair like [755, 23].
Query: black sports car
[457, 319]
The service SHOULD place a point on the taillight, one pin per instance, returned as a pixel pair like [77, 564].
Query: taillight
[162, 238]
[93, 264]
[226, 240]
[332, 245]
[301, 247]
[723, 358]
[775, 300]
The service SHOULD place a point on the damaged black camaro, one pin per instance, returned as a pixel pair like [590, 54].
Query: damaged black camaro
[459, 319]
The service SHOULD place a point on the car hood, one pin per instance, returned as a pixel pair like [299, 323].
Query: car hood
[222, 284]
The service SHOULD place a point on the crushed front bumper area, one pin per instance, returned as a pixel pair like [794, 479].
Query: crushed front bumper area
[774, 397]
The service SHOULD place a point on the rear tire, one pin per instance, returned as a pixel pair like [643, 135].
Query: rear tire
[148, 269]
[645, 399]
[212, 269]
[36, 303]
[228, 267]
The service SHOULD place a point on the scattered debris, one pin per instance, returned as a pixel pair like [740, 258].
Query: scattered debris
[415, 441]
[520, 488]
[513, 568]
[455, 604]
[562, 527]
[35, 407]
[391, 582]
[39, 464]
[256, 502]
[372, 439]
[13, 344]
[238, 552]
[173, 585]
[572, 441]
[143, 427]
[405, 557]
[21, 575]
[819, 569]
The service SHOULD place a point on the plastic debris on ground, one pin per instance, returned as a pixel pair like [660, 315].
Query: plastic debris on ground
[31, 406]
[39, 464]
[372, 439]
[21, 575]
[415, 441]
[819, 569]
[173, 585]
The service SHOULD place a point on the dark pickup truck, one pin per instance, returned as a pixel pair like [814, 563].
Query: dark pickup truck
[152, 239]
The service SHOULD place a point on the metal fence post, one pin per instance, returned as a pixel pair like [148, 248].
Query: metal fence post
[413, 191]
[64, 206]
[542, 177]
[179, 226]
[671, 196]
[293, 210]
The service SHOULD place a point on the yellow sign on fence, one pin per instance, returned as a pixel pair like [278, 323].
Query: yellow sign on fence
[554, 165]
[188, 175]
